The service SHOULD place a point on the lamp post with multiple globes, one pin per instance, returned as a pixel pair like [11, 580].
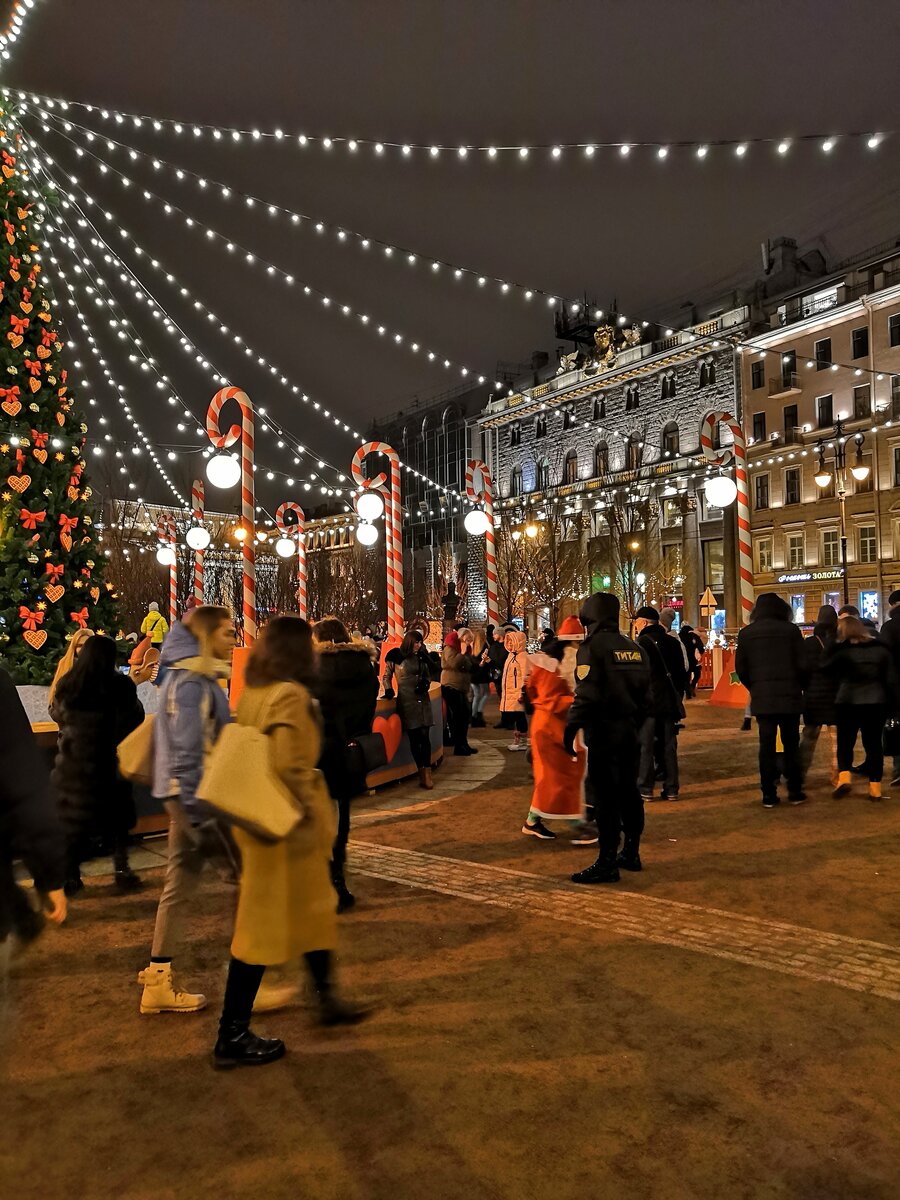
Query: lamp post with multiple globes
[859, 470]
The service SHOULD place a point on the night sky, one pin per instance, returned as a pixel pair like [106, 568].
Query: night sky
[649, 234]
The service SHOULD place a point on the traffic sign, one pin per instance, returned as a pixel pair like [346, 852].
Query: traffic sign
[708, 600]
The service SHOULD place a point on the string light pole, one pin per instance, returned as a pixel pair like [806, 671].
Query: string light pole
[722, 490]
[197, 537]
[369, 505]
[824, 477]
[481, 520]
[223, 470]
[167, 556]
[285, 546]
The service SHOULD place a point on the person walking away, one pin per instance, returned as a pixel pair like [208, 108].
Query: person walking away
[154, 625]
[821, 689]
[29, 829]
[67, 662]
[346, 686]
[95, 707]
[515, 672]
[612, 699]
[457, 668]
[890, 636]
[867, 692]
[694, 648]
[558, 776]
[497, 653]
[413, 678]
[285, 904]
[193, 708]
[481, 681]
[770, 663]
[658, 734]
[667, 620]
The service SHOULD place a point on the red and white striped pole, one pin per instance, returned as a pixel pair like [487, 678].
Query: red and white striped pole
[393, 527]
[742, 481]
[168, 534]
[484, 494]
[298, 528]
[220, 441]
[198, 508]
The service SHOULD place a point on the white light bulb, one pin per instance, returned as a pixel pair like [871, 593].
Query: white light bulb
[165, 556]
[370, 505]
[285, 547]
[223, 471]
[197, 537]
[476, 522]
[366, 535]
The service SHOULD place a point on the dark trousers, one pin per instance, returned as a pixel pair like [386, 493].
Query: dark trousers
[458, 714]
[768, 725]
[658, 742]
[867, 719]
[613, 760]
[339, 850]
[244, 980]
[420, 744]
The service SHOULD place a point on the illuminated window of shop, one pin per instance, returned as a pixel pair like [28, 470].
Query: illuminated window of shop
[798, 608]
[897, 466]
[866, 543]
[795, 550]
[832, 598]
[868, 605]
[831, 548]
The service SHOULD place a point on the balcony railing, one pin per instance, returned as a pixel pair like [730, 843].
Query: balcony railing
[787, 384]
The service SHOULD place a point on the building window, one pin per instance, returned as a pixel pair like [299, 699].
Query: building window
[570, 469]
[795, 551]
[757, 374]
[515, 434]
[601, 459]
[515, 481]
[764, 554]
[866, 540]
[831, 548]
[632, 398]
[824, 411]
[671, 516]
[761, 491]
[670, 438]
[632, 454]
[714, 563]
[704, 375]
[862, 402]
[867, 484]
[823, 353]
[711, 372]
[895, 397]
[792, 485]
[859, 342]
[897, 466]
[599, 408]
[894, 329]
[759, 427]
[667, 387]
[540, 426]
[568, 416]
[788, 368]
[542, 478]
[790, 422]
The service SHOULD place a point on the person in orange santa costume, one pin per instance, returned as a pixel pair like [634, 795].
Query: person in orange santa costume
[558, 779]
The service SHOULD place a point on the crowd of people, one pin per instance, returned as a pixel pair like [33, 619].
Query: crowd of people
[597, 712]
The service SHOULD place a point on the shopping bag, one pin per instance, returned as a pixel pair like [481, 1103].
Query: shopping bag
[135, 753]
[239, 784]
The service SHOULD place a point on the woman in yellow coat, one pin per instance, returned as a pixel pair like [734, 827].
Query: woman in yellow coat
[286, 906]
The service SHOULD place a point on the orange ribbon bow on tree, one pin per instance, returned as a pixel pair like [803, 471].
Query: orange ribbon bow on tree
[19, 324]
[33, 365]
[40, 439]
[54, 572]
[48, 336]
[29, 619]
[31, 520]
[67, 524]
[80, 617]
[10, 232]
[10, 393]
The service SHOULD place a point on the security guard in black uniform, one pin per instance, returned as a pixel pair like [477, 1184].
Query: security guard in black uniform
[612, 695]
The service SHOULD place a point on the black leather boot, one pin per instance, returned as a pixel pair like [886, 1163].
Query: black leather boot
[346, 899]
[629, 858]
[238, 1047]
[604, 870]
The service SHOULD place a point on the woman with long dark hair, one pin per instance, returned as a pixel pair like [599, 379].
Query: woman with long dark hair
[413, 675]
[286, 902]
[867, 694]
[95, 707]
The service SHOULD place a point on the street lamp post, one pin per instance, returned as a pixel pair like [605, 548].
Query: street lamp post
[859, 471]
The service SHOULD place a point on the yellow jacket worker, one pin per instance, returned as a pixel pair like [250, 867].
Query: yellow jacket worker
[154, 625]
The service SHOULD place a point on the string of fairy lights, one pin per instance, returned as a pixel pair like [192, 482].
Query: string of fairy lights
[438, 150]
[14, 28]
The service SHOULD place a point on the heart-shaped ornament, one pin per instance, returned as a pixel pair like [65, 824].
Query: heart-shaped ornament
[25, 306]
[54, 592]
[95, 594]
[16, 275]
[43, 351]
[35, 637]
[19, 483]
[16, 339]
[391, 730]
[34, 384]
[60, 418]
[66, 541]
[11, 407]
[40, 455]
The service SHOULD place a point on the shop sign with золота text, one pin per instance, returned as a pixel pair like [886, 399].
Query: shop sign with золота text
[811, 576]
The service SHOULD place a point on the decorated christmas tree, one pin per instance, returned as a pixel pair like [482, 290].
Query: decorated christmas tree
[51, 567]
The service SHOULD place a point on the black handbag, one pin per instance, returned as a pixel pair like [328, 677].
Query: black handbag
[366, 753]
[890, 739]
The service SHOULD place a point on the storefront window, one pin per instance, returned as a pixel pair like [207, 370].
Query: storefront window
[798, 608]
[832, 598]
[868, 605]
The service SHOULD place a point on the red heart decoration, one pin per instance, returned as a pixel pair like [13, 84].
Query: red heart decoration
[391, 730]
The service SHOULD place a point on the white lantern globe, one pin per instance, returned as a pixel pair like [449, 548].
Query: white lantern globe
[370, 506]
[197, 537]
[476, 522]
[165, 556]
[721, 491]
[366, 535]
[285, 547]
[223, 470]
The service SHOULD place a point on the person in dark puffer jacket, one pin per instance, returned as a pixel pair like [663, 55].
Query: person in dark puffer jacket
[867, 693]
[346, 687]
[821, 688]
[770, 664]
[890, 636]
[95, 708]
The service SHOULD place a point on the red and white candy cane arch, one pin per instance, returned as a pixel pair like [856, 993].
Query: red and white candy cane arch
[393, 527]
[245, 433]
[719, 456]
[168, 535]
[482, 493]
[198, 507]
[296, 530]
